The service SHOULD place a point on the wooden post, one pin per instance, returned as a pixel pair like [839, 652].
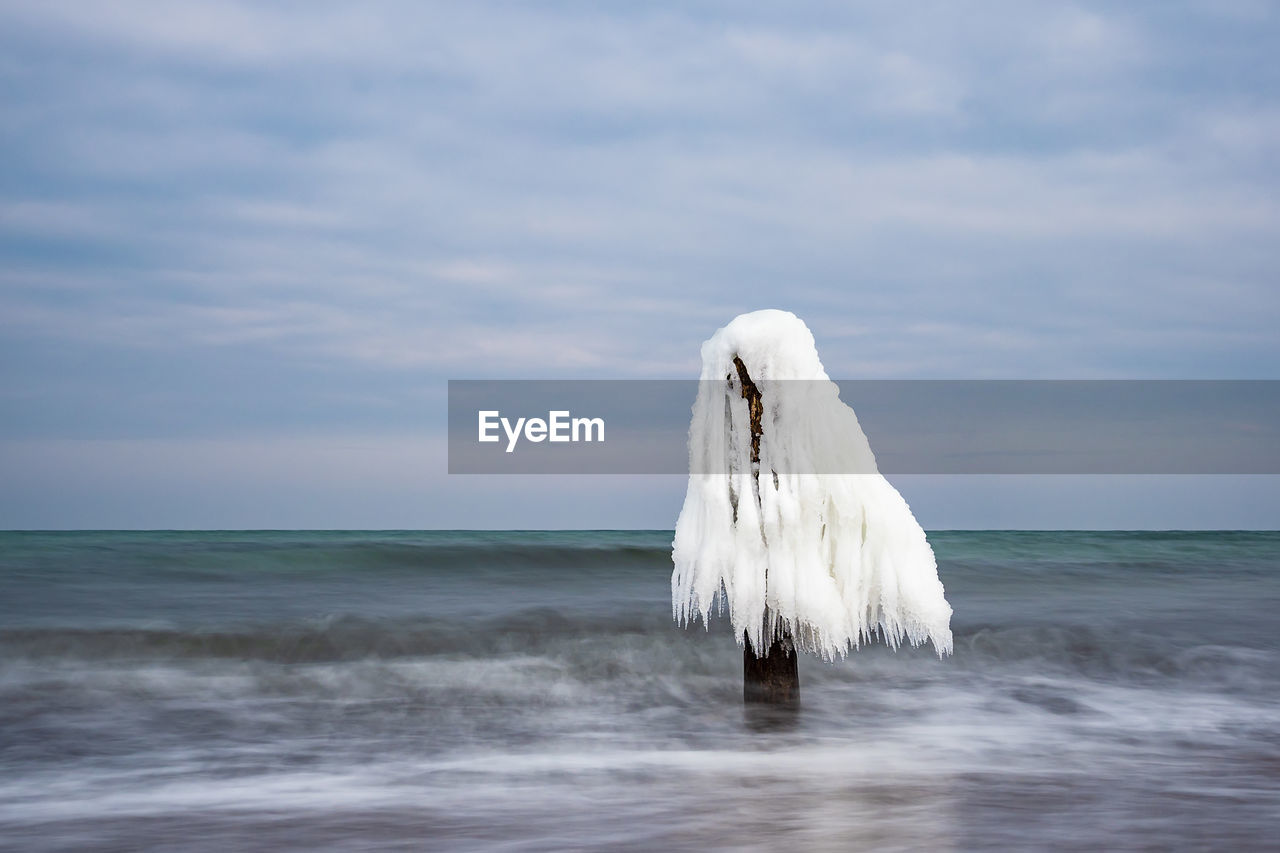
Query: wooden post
[774, 676]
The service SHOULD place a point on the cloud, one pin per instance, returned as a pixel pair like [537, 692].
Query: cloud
[303, 203]
[344, 482]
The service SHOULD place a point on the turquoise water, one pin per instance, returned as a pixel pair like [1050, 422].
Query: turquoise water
[528, 691]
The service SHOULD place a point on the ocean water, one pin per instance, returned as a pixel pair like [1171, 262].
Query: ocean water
[528, 691]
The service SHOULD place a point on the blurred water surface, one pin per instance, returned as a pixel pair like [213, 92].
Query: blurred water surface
[528, 691]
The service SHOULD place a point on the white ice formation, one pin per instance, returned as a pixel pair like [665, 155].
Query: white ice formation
[834, 558]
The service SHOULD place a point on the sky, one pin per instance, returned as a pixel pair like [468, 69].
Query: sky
[243, 246]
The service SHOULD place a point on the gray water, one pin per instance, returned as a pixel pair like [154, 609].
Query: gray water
[528, 691]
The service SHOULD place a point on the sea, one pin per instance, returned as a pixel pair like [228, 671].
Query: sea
[529, 691]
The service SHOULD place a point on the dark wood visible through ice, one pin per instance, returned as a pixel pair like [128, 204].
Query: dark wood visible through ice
[774, 676]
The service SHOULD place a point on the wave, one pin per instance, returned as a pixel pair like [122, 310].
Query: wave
[1132, 655]
[650, 641]
[338, 639]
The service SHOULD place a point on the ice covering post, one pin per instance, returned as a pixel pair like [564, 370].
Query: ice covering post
[826, 561]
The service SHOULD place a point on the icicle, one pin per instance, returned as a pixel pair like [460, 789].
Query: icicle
[834, 558]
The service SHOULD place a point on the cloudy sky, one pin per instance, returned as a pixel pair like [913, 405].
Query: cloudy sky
[243, 246]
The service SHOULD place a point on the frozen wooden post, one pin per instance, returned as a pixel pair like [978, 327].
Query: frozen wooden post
[774, 675]
[787, 524]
